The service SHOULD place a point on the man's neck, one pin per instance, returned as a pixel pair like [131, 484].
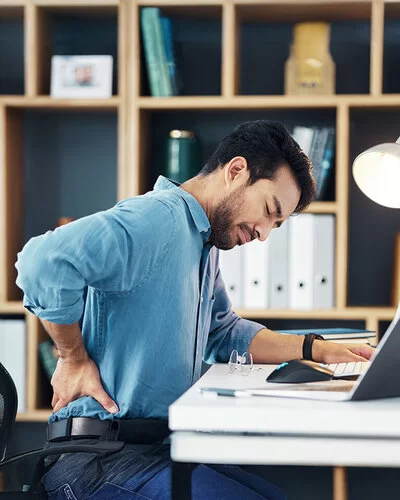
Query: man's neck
[201, 188]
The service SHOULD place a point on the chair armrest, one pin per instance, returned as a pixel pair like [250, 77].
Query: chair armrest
[100, 448]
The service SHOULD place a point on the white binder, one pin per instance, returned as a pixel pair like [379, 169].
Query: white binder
[13, 355]
[278, 267]
[324, 265]
[301, 257]
[231, 267]
[256, 274]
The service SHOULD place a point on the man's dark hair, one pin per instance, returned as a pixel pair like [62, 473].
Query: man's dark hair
[266, 145]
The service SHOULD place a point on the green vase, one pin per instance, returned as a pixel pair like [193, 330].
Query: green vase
[183, 159]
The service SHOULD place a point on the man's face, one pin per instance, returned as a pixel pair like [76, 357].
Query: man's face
[250, 212]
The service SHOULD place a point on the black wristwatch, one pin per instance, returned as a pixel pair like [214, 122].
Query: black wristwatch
[307, 344]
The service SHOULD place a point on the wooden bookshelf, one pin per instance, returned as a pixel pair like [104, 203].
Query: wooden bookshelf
[238, 94]
[46, 102]
[267, 102]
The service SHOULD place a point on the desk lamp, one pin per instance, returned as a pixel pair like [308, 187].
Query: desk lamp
[377, 174]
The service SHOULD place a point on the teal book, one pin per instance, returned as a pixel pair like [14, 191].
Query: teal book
[48, 357]
[169, 53]
[154, 51]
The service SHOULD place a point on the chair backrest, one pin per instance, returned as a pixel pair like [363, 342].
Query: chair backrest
[8, 408]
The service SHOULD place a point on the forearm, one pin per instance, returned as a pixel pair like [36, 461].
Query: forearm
[272, 347]
[68, 339]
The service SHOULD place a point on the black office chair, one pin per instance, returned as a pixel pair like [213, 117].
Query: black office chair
[8, 411]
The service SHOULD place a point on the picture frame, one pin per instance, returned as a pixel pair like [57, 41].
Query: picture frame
[81, 77]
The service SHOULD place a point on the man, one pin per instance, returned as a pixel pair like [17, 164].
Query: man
[134, 301]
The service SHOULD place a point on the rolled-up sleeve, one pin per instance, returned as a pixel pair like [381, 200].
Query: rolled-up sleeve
[228, 331]
[109, 251]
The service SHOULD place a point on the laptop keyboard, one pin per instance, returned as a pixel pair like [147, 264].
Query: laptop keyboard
[350, 369]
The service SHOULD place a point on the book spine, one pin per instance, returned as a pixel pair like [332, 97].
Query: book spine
[150, 51]
[169, 53]
[47, 357]
[326, 165]
[154, 19]
[317, 153]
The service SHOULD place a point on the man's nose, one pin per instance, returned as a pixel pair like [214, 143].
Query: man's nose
[263, 231]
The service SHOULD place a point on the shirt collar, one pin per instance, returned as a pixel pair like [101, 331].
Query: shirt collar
[196, 210]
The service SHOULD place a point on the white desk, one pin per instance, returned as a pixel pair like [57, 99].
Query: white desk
[269, 430]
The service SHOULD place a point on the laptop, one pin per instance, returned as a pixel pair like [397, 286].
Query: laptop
[379, 380]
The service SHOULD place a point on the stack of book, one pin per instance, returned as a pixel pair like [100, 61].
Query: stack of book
[159, 52]
[294, 268]
[341, 335]
[319, 145]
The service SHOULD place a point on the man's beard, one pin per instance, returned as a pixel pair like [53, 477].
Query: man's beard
[222, 220]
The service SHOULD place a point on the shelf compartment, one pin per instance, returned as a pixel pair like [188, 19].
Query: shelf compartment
[265, 35]
[210, 127]
[197, 41]
[372, 227]
[50, 159]
[73, 30]
[67, 150]
[391, 46]
[12, 78]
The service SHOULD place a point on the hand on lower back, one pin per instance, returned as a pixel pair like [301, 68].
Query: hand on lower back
[73, 379]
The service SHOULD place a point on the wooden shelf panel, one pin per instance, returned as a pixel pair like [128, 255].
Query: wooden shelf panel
[323, 207]
[77, 3]
[34, 416]
[288, 11]
[51, 103]
[14, 307]
[382, 313]
[210, 9]
[264, 102]
[193, 4]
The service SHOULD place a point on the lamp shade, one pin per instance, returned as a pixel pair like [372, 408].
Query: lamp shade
[377, 173]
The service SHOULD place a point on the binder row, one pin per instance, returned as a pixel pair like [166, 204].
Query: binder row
[13, 354]
[292, 269]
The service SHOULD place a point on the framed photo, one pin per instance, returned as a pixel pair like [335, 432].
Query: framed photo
[81, 77]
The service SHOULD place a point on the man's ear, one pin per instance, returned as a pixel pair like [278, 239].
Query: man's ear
[236, 170]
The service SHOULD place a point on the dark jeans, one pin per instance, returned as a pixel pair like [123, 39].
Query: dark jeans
[142, 472]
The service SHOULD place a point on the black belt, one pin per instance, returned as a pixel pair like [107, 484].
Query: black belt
[132, 431]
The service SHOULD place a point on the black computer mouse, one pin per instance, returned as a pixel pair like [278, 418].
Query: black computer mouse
[298, 371]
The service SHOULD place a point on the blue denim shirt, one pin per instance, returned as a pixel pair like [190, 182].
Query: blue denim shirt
[146, 286]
